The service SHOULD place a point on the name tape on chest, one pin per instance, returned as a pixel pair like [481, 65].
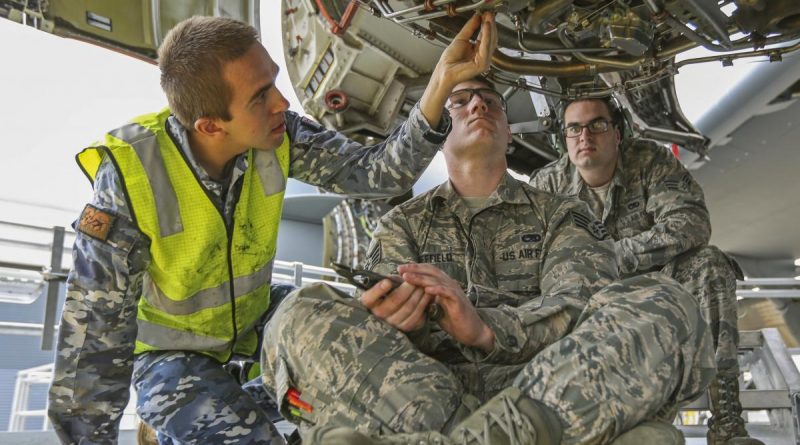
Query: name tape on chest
[436, 257]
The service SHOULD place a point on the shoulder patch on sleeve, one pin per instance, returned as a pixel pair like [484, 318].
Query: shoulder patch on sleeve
[96, 223]
[374, 256]
[593, 226]
[679, 183]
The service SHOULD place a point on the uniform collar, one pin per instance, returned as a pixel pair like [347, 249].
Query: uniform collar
[576, 182]
[181, 138]
[509, 190]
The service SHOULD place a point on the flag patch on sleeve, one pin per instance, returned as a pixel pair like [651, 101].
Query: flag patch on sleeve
[95, 222]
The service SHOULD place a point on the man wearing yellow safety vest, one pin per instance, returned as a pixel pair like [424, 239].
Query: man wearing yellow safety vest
[173, 256]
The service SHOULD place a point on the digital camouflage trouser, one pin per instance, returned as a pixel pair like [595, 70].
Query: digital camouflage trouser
[709, 275]
[188, 398]
[641, 347]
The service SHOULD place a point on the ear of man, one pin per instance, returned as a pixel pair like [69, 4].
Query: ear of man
[209, 127]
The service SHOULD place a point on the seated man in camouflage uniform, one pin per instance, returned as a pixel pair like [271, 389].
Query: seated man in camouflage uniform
[655, 212]
[537, 344]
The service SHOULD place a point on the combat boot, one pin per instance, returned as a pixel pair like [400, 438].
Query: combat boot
[510, 418]
[726, 426]
[333, 435]
[651, 432]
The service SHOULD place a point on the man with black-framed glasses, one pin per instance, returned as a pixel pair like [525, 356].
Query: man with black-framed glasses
[656, 213]
[533, 345]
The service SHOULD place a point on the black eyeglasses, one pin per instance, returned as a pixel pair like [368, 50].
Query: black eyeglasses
[490, 97]
[596, 126]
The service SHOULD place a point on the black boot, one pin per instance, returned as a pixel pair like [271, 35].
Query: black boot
[726, 425]
[509, 418]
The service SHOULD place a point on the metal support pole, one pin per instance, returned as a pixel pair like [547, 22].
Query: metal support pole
[53, 283]
[298, 274]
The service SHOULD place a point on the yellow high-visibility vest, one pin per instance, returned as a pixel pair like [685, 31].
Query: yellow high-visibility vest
[207, 284]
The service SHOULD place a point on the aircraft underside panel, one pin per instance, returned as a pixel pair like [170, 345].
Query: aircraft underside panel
[135, 28]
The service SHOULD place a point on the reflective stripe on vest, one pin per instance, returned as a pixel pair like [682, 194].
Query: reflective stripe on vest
[189, 300]
[145, 143]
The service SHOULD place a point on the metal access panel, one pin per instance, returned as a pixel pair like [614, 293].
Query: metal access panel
[136, 28]
[358, 80]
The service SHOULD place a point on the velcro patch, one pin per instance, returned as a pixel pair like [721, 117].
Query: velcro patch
[95, 222]
[531, 238]
[593, 226]
[633, 205]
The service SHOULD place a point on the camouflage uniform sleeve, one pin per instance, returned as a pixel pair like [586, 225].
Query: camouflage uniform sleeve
[393, 243]
[679, 211]
[541, 180]
[94, 357]
[329, 160]
[578, 260]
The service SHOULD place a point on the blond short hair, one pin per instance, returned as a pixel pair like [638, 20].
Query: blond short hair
[191, 60]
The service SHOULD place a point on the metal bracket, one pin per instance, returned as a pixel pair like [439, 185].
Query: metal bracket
[53, 277]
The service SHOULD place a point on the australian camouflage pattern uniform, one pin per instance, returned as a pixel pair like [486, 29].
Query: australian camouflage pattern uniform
[540, 271]
[656, 213]
[187, 392]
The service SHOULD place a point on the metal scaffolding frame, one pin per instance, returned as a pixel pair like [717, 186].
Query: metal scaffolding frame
[776, 382]
[284, 272]
[26, 379]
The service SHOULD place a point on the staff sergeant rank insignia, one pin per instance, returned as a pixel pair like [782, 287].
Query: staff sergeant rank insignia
[374, 256]
[594, 227]
[95, 222]
[679, 184]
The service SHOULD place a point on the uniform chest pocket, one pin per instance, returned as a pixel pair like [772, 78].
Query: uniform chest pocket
[633, 218]
[516, 261]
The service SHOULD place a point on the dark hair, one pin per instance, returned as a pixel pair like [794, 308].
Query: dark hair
[614, 111]
[191, 60]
